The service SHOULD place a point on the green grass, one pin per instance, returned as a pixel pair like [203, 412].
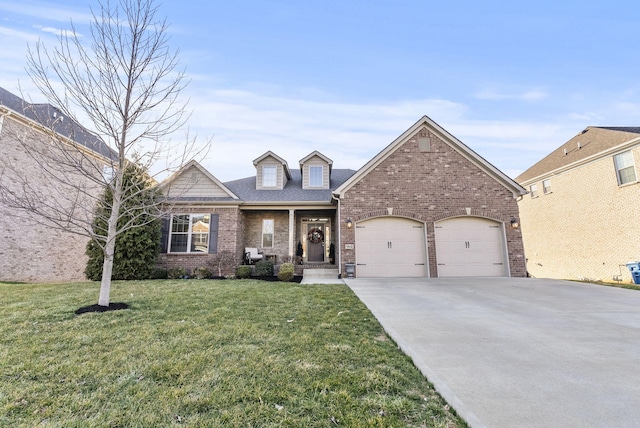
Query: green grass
[627, 285]
[233, 353]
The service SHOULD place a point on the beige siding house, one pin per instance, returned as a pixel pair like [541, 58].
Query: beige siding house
[425, 206]
[31, 250]
[581, 217]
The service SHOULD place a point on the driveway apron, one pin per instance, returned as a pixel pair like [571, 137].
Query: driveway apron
[518, 352]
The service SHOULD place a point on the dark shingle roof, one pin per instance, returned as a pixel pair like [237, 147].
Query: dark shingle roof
[590, 142]
[51, 117]
[245, 189]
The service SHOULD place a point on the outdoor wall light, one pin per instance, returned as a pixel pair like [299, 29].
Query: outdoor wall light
[514, 223]
[349, 223]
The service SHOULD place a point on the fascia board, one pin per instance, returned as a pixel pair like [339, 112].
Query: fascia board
[286, 205]
[456, 144]
[18, 117]
[196, 164]
[593, 158]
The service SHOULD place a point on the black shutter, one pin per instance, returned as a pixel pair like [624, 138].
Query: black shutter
[165, 230]
[213, 234]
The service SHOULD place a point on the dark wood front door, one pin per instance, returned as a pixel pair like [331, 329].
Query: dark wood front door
[315, 242]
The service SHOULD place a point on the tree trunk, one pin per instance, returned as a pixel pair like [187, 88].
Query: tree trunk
[110, 247]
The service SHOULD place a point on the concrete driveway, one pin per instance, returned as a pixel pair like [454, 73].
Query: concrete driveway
[516, 352]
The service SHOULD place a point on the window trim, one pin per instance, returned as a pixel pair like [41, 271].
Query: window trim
[272, 233]
[273, 168]
[321, 184]
[546, 189]
[618, 168]
[189, 233]
[533, 190]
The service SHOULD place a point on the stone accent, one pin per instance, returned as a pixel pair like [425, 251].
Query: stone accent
[429, 186]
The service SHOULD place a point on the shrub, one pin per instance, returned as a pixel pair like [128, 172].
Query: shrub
[264, 268]
[243, 271]
[160, 274]
[222, 261]
[137, 247]
[176, 273]
[286, 272]
[201, 273]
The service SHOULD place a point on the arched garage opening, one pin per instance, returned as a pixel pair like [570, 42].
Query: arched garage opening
[470, 246]
[390, 247]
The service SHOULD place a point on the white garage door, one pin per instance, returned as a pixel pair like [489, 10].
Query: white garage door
[470, 246]
[390, 247]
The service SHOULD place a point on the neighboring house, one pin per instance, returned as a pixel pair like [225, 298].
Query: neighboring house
[580, 219]
[425, 206]
[30, 250]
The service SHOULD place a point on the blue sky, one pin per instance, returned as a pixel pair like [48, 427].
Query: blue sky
[512, 80]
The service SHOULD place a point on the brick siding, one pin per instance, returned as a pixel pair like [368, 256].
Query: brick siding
[587, 227]
[230, 229]
[430, 186]
[31, 251]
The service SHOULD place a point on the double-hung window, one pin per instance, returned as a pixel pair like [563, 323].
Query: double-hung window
[269, 176]
[625, 169]
[546, 186]
[267, 233]
[189, 233]
[533, 190]
[315, 176]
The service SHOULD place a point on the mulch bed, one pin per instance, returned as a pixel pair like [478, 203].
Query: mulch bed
[297, 279]
[98, 308]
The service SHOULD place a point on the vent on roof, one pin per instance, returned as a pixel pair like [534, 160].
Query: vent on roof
[565, 152]
[579, 145]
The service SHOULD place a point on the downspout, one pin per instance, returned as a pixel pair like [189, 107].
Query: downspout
[333, 196]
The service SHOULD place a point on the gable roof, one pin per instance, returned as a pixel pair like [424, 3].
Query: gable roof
[449, 139]
[591, 143]
[318, 154]
[51, 117]
[194, 164]
[276, 157]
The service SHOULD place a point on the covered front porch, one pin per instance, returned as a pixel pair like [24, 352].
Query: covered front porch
[306, 237]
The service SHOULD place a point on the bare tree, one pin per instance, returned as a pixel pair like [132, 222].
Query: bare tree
[125, 85]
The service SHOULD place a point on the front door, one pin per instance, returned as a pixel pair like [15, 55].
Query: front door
[315, 242]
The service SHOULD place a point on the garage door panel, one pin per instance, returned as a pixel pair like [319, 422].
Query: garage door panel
[390, 247]
[470, 246]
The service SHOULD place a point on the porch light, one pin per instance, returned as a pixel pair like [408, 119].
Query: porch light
[514, 223]
[349, 223]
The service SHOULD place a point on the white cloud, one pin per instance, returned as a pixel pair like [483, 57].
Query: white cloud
[58, 31]
[529, 95]
[245, 124]
[46, 10]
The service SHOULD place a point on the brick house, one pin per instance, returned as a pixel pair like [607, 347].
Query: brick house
[425, 206]
[29, 249]
[580, 218]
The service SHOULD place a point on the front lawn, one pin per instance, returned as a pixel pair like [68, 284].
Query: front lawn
[224, 353]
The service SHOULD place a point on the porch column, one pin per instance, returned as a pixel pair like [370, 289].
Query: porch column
[292, 232]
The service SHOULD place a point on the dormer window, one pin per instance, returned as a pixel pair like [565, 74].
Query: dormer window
[269, 176]
[316, 171]
[272, 172]
[315, 176]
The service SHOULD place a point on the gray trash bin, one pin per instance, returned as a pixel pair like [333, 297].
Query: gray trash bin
[350, 269]
[634, 268]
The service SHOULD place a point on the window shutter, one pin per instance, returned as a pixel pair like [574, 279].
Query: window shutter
[165, 230]
[213, 234]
